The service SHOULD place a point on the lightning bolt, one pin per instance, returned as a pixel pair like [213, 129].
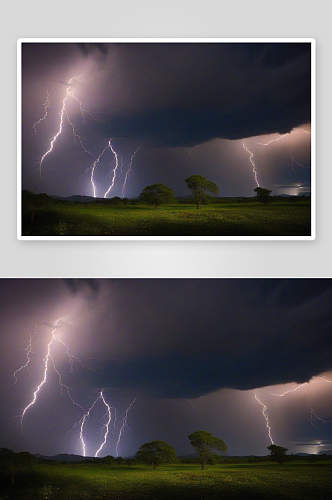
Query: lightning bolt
[124, 424]
[290, 390]
[287, 135]
[265, 415]
[108, 413]
[28, 350]
[93, 169]
[47, 360]
[48, 364]
[63, 113]
[313, 414]
[325, 420]
[252, 161]
[273, 140]
[193, 407]
[47, 105]
[116, 156]
[191, 156]
[129, 169]
[82, 422]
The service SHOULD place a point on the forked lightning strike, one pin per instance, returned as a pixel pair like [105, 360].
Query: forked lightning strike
[93, 169]
[129, 169]
[48, 358]
[28, 350]
[124, 424]
[116, 156]
[64, 114]
[265, 415]
[47, 105]
[252, 161]
[109, 416]
[290, 390]
[48, 362]
[287, 135]
[325, 420]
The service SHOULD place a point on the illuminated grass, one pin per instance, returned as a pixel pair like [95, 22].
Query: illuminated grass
[247, 219]
[259, 481]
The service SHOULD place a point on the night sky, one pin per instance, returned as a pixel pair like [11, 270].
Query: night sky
[188, 107]
[193, 352]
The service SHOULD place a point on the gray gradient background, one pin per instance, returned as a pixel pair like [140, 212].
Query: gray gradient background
[165, 19]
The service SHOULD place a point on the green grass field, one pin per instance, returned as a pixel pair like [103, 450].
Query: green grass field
[262, 481]
[232, 219]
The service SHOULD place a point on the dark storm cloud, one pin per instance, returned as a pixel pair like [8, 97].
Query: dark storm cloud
[187, 338]
[179, 338]
[77, 285]
[187, 94]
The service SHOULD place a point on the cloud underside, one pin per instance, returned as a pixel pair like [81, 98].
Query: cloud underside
[213, 334]
[180, 95]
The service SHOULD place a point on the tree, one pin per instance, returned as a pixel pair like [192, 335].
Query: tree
[115, 200]
[278, 453]
[204, 442]
[109, 460]
[156, 453]
[199, 185]
[14, 463]
[157, 194]
[34, 203]
[263, 194]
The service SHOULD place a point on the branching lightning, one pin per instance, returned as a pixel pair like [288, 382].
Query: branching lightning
[313, 414]
[116, 156]
[47, 105]
[265, 415]
[124, 424]
[48, 358]
[64, 114]
[49, 365]
[109, 416]
[286, 136]
[29, 350]
[129, 169]
[82, 422]
[252, 161]
[93, 168]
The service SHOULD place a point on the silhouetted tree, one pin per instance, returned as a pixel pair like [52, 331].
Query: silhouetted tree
[199, 185]
[156, 453]
[204, 442]
[157, 194]
[115, 200]
[13, 462]
[263, 194]
[278, 453]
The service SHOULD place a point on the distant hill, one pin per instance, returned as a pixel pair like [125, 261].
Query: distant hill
[77, 198]
[326, 452]
[64, 457]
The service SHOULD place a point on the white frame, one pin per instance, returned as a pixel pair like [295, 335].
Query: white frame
[20, 41]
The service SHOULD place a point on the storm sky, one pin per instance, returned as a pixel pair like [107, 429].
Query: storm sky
[193, 352]
[188, 107]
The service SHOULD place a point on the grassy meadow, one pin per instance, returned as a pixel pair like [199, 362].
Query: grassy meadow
[281, 218]
[260, 481]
